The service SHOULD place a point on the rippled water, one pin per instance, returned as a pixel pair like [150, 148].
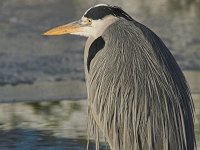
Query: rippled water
[35, 69]
[44, 125]
[27, 57]
[59, 125]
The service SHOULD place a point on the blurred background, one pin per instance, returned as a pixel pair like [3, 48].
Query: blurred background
[45, 75]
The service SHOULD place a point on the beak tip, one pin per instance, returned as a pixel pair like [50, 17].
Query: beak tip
[63, 29]
[45, 33]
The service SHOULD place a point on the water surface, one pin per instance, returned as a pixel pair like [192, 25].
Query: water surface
[60, 125]
[46, 75]
[27, 57]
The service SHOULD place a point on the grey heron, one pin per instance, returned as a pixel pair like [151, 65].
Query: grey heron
[138, 96]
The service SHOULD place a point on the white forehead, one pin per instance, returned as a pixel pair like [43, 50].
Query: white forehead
[100, 5]
[94, 7]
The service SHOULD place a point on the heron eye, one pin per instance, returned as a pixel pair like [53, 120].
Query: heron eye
[89, 21]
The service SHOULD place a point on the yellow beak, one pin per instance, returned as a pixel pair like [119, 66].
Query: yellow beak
[74, 27]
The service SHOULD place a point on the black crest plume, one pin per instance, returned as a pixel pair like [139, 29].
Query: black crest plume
[102, 11]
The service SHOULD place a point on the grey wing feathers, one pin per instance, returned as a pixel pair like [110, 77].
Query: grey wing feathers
[138, 95]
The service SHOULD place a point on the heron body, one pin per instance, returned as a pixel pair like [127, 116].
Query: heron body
[137, 94]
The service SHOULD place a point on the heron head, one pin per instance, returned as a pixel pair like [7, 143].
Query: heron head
[93, 23]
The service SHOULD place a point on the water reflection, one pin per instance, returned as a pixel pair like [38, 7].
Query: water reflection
[32, 139]
[44, 125]
[52, 68]
[60, 125]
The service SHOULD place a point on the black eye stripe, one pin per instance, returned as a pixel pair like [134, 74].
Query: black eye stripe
[102, 11]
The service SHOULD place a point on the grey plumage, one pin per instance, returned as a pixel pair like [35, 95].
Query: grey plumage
[137, 94]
